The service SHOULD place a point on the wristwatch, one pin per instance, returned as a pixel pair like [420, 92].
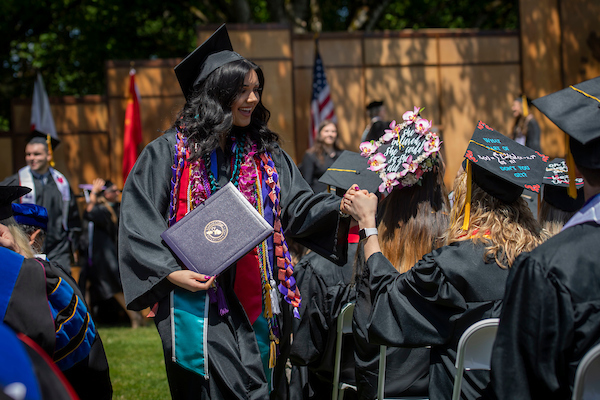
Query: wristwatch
[365, 233]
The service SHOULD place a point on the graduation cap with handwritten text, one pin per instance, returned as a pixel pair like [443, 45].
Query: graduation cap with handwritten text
[503, 167]
[555, 187]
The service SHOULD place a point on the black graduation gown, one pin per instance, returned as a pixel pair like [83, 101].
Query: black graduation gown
[326, 288]
[550, 318]
[432, 304]
[58, 241]
[235, 369]
[312, 169]
[103, 273]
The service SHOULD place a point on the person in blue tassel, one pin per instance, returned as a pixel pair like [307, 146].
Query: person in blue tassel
[224, 337]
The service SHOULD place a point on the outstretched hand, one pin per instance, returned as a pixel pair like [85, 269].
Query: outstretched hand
[190, 280]
[361, 205]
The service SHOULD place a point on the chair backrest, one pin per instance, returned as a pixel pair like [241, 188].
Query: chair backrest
[474, 350]
[344, 326]
[587, 377]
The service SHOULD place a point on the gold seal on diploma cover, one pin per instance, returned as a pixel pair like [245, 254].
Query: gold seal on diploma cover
[215, 231]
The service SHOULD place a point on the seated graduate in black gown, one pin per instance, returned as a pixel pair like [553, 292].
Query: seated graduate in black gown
[411, 221]
[551, 313]
[327, 287]
[556, 206]
[461, 283]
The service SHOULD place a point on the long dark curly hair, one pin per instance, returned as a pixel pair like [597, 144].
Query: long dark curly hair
[207, 115]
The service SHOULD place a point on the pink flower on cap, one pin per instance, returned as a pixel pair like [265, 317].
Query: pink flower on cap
[409, 165]
[422, 126]
[411, 116]
[367, 148]
[432, 145]
[377, 162]
[389, 181]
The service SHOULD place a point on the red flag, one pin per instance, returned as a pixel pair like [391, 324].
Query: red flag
[321, 105]
[133, 127]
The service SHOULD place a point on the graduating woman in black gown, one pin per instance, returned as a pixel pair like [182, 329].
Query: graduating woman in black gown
[223, 337]
[456, 285]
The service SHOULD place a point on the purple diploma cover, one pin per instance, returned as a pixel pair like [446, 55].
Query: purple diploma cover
[218, 232]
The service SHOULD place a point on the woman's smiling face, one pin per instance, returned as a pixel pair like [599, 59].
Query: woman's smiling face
[248, 98]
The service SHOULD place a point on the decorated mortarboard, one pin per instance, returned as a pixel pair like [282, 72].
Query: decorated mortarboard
[30, 214]
[503, 167]
[7, 195]
[404, 153]
[374, 104]
[556, 184]
[350, 168]
[576, 110]
[210, 55]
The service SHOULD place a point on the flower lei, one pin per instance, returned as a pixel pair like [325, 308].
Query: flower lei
[245, 166]
[413, 169]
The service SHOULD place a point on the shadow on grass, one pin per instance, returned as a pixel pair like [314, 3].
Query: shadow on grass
[135, 359]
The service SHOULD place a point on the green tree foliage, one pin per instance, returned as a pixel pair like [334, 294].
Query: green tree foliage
[69, 40]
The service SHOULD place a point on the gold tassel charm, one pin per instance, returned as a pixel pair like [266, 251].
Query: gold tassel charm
[465, 226]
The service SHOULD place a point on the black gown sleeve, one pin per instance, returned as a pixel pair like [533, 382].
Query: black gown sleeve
[310, 338]
[312, 219]
[530, 355]
[413, 309]
[144, 259]
[307, 167]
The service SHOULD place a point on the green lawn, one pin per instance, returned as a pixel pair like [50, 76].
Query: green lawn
[135, 359]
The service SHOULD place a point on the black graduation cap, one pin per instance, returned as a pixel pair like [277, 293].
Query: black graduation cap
[210, 55]
[54, 141]
[351, 168]
[556, 184]
[374, 104]
[503, 167]
[576, 110]
[7, 195]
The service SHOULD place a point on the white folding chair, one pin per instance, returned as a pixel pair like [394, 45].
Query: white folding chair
[344, 326]
[474, 350]
[587, 377]
[381, 379]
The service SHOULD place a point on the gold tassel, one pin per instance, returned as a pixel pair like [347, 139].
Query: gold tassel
[525, 105]
[49, 142]
[268, 310]
[572, 191]
[272, 354]
[465, 226]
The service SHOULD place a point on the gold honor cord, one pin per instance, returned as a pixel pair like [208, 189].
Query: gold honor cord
[465, 226]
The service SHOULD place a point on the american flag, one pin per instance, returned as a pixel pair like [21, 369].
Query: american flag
[321, 105]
